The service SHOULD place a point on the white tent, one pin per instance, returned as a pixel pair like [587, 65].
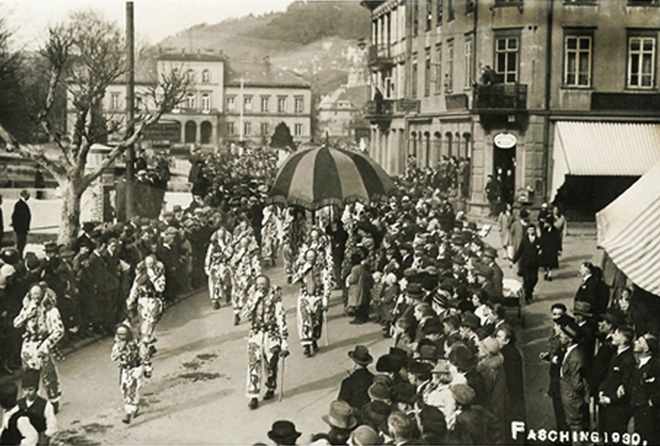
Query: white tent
[629, 231]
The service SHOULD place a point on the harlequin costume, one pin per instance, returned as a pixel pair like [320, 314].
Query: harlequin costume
[217, 266]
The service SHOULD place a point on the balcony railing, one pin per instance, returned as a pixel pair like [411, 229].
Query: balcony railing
[501, 96]
[388, 107]
[379, 56]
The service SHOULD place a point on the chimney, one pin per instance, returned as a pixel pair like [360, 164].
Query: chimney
[267, 64]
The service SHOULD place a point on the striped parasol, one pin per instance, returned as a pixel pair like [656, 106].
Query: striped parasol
[324, 176]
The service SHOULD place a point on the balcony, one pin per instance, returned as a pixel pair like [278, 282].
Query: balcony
[504, 97]
[381, 112]
[501, 106]
[379, 57]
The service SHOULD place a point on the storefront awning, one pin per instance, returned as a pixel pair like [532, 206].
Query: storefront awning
[603, 149]
[629, 231]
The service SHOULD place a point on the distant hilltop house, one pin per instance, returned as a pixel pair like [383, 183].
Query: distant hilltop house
[227, 102]
[341, 114]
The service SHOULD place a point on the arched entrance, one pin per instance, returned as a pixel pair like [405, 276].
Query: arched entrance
[190, 132]
[206, 130]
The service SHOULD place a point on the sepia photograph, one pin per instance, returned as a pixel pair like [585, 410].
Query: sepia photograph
[329, 222]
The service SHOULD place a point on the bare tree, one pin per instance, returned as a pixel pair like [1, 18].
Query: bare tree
[87, 55]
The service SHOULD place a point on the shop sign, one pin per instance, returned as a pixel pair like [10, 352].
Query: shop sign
[505, 140]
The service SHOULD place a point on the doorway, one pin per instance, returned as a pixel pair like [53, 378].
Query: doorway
[504, 171]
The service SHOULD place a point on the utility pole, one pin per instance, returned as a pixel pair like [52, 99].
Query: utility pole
[130, 111]
[241, 105]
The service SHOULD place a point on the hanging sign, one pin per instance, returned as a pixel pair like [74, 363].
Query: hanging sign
[505, 140]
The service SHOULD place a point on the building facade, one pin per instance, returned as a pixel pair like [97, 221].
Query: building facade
[258, 96]
[492, 81]
[340, 114]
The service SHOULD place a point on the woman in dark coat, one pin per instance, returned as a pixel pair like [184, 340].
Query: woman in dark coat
[550, 241]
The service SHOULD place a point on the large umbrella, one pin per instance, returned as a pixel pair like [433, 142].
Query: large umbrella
[324, 176]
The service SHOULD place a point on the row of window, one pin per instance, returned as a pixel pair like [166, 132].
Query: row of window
[265, 129]
[423, 12]
[577, 63]
[282, 104]
[190, 74]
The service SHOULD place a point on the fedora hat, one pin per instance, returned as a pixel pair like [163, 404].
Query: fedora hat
[389, 363]
[463, 394]
[614, 316]
[414, 290]
[51, 247]
[490, 252]
[340, 416]
[375, 413]
[379, 391]
[365, 435]
[283, 431]
[582, 308]
[360, 354]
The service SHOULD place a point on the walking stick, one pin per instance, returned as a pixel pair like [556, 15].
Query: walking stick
[282, 380]
[325, 323]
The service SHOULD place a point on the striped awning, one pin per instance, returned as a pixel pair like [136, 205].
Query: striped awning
[603, 148]
[629, 231]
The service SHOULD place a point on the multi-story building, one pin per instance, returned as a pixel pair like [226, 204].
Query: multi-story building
[341, 114]
[196, 120]
[259, 96]
[515, 85]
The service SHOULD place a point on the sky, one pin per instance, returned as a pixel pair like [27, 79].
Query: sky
[154, 19]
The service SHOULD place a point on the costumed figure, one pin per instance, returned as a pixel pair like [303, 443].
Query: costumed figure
[217, 266]
[126, 353]
[267, 339]
[292, 236]
[271, 230]
[43, 330]
[145, 302]
[320, 244]
[312, 302]
[246, 267]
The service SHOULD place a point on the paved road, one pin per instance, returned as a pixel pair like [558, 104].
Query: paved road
[197, 394]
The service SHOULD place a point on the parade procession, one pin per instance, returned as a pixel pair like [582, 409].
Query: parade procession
[378, 222]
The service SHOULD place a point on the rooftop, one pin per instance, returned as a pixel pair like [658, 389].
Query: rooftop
[261, 74]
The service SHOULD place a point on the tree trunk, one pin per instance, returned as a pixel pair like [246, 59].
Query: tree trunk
[70, 220]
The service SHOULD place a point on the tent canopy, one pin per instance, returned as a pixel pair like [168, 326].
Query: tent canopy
[603, 149]
[629, 231]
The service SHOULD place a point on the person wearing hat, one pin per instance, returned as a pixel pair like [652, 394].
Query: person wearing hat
[364, 435]
[312, 302]
[375, 414]
[20, 220]
[355, 389]
[389, 296]
[341, 419]
[573, 377]
[474, 424]
[553, 356]
[43, 329]
[283, 432]
[267, 339]
[613, 394]
[145, 303]
[493, 274]
[465, 362]
[126, 353]
[40, 411]
[527, 258]
[518, 232]
[217, 268]
[605, 349]
[645, 389]
[582, 313]
[438, 393]
[269, 234]
[245, 267]
[513, 373]
[358, 282]
[16, 427]
[491, 367]
[431, 424]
